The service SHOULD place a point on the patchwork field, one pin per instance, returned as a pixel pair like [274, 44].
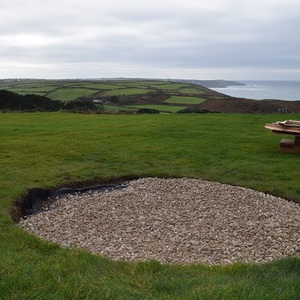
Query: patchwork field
[72, 89]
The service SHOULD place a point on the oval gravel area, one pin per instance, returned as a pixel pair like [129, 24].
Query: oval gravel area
[178, 220]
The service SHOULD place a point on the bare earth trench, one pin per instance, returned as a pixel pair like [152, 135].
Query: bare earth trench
[174, 221]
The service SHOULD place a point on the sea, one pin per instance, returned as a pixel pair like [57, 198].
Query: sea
[264, 89]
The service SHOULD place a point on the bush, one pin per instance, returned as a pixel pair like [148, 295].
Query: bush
[10, 101]
[193, 111]
[148, 111]
[80, 105]
[14, 102]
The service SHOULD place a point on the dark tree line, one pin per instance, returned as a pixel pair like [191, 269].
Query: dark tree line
[10, 101]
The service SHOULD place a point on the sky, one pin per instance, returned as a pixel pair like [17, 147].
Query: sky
[190, 39]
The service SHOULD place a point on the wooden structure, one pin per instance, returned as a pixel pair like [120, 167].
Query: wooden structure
[289, 127]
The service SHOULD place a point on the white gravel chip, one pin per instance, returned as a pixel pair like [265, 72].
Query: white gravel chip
[174, 221]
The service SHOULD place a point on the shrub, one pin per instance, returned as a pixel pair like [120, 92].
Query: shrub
[148, 111]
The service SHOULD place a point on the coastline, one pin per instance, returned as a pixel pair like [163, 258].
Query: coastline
[264, 89]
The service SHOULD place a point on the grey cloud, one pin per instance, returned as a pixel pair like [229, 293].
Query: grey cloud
[158, 34]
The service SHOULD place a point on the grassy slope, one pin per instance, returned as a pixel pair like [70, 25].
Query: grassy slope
[44, 150]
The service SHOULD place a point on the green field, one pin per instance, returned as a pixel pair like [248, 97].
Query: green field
[125, 91]
[66, 94]
[50, 149]
[184, 100]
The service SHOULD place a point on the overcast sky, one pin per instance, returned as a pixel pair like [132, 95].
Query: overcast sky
[192, 39]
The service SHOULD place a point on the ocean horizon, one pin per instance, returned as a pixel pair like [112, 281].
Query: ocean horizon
[264, 89]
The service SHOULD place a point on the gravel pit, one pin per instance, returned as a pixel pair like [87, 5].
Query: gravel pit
[174, 221]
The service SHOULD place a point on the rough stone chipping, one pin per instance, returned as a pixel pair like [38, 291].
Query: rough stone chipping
[174, 221]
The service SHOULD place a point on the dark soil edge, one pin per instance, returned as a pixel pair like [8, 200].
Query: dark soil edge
[18, 211]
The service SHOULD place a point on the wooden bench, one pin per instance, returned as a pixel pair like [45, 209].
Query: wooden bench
[288, 128]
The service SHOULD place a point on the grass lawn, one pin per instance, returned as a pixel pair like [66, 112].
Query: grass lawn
[48, 149]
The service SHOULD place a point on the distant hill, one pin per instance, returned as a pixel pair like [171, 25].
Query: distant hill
[219, 83]
[131, 96]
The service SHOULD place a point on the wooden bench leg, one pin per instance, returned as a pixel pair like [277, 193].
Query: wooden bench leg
[290, 146]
